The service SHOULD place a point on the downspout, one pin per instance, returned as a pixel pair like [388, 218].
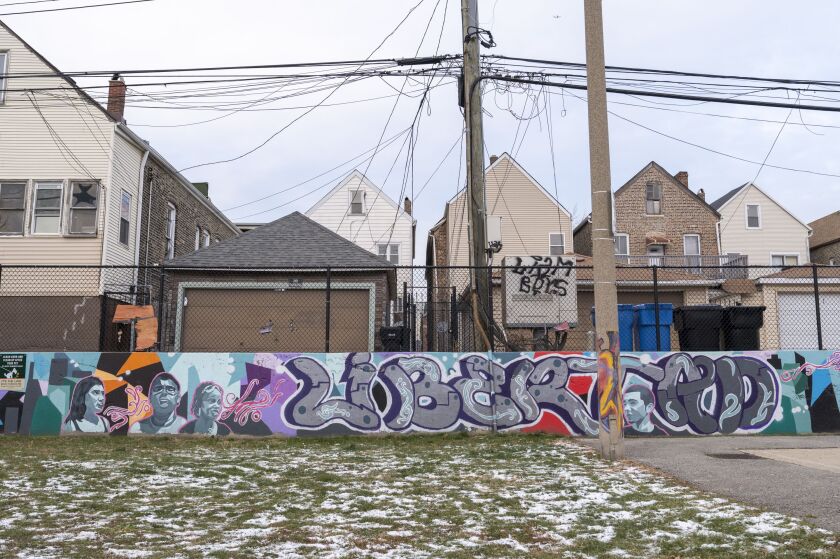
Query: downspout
[139, 218]
[148, 232]
[106, 213]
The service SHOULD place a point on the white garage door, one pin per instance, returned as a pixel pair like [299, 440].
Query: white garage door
[798, 320]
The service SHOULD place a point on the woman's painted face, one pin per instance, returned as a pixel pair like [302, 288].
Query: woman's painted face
[211, 404]
[95, 398]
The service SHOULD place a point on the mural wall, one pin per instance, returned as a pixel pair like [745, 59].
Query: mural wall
[311, 394]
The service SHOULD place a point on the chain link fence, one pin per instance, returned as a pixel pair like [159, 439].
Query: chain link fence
[539, 304]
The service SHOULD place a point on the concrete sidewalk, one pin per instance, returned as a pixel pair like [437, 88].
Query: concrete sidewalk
[796, 475]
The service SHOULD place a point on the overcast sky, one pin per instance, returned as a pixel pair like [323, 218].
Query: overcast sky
[755, 37]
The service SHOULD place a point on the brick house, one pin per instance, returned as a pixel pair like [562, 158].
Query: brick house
[266, 291]
[825, 242]
[660, 220]
[80, 190]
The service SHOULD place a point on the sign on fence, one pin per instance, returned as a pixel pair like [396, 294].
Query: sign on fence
[540, 291]
[13, 371]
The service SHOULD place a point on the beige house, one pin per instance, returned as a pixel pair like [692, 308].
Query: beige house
[754, 225]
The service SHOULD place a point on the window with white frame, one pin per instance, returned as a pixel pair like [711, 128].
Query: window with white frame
[46, 208]
[125, 217]
[391, 252]
[197, 237]
[12, 207]
[84, 202]
[357, 202]
[753, 216]
[4, 63]
[691, 249]
[556, 244]
[171, 218]
[622, 244]
[653, 198]
[205, 238]
[784, 259]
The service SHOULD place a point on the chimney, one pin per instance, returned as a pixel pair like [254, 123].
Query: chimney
[493, 159]
[407, 205]
[702, 194]
[116, 97]
[682, 176]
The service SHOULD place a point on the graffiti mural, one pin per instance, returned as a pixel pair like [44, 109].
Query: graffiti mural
[309, 394]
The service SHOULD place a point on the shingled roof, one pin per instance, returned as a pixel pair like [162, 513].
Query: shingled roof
[293, 241]
[718, 204]
[826, 230]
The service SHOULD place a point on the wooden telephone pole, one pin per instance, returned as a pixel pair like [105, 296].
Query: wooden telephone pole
[475, 172]
[610, 409]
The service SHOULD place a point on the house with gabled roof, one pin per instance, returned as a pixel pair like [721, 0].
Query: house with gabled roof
[360, 211]
[754, 225]
[275, 289]
[79, 188]
[825, 241]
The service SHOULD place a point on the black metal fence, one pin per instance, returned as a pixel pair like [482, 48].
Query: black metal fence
[541, 305]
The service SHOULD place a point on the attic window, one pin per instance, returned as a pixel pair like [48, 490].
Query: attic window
[753, 216]
[357, 202]
[653, 198]
[4, 57]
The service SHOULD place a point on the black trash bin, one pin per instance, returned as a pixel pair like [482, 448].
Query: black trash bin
[699, 327]
[741, 327]
[393, 338]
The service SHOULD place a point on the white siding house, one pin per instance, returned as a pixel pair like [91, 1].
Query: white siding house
[361, 212]
[754, 225]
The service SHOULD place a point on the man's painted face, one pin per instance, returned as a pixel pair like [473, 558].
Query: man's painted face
[164, 395]
[95, 398]
[211, 404]
[634, 407]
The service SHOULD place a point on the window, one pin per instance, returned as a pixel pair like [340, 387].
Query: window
[390, 253]
[653, 198]
[125, 217]
[46, 209]
[85, 199]
[4, 58]
[691, 249]
[556, 244]
[832, 262]
[12, 206]
[753, 216]
[197, 237]
[205, 238]
[784, 259]
[357, 202]
[170, 231]
[622, 244]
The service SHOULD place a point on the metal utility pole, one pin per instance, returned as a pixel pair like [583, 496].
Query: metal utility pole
[610, 409]
[475, 170]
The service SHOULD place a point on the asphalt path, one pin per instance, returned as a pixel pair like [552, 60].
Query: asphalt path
[797, 481]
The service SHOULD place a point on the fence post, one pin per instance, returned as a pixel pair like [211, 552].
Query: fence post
[405, 309]
[814, 271]
[161, 287]
[328, 315]
[103, 321]
[454, 330]
[490, 317]
[656, 306]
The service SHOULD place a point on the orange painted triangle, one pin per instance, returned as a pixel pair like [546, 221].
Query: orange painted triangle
[110, 381]
[138, 360]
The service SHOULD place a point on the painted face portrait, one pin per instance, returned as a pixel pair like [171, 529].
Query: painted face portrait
[95, 398]
[164, 395]
[211, 403]
[638, 405]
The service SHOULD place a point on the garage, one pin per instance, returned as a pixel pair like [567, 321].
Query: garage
[797, 320]
[276, 320]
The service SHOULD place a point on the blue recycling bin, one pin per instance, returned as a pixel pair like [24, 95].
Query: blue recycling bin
[626, 319]
[646, 326]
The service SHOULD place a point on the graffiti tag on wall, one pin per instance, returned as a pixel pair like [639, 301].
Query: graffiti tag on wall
[540, 290]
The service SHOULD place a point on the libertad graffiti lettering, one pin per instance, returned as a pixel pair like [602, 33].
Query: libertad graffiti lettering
[264, 394]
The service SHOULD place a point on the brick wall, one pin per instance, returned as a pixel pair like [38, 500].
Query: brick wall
[161, 188]
[682, 213]
[583, 239]
[823, 254]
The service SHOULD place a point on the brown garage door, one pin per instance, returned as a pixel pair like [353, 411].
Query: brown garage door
[231, 320]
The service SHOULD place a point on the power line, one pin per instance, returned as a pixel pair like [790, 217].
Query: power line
[75, 7]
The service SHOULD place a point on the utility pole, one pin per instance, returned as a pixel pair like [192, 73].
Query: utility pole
[475, 171]
[610, 408]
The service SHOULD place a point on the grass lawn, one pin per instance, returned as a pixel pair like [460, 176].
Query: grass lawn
[405, 496]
